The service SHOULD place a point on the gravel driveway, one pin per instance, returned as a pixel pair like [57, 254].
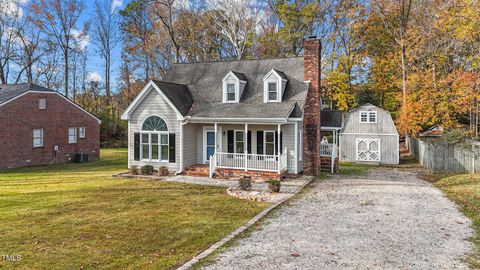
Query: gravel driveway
[387, 219]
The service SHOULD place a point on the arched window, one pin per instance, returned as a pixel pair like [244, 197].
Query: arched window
[154, 140]
[154, 123]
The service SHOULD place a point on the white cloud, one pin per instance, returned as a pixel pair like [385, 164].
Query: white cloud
[12, 8]
[116, 4]
[94, 77]
[81, 38]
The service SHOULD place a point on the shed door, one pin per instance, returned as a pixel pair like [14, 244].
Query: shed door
[368, 149]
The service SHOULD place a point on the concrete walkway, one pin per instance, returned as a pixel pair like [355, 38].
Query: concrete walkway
[388, 219]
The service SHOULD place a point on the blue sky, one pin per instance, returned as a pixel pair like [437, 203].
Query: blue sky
[95, 65]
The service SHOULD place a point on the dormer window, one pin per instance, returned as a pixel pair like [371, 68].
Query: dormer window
[272, 91]
[233, 85]
[274, 84]
[231, 92]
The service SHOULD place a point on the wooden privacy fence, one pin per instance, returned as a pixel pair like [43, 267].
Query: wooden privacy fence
[449, 158]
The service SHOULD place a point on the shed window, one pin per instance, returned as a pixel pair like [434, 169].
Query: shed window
[38, 137]
[368, 117]
[231, 92]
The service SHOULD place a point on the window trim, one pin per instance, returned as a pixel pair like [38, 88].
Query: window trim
[82, 133]
[41, 138]
[265, 142]
[75, 134]
[235, 141]
[269, 82]
[368, 113]
[40, 103]
[234, 100]
[158, 144]
[273, 77]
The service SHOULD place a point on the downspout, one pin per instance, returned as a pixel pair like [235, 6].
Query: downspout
[181, 147]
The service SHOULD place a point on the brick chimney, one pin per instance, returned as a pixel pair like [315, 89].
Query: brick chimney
[311, 117]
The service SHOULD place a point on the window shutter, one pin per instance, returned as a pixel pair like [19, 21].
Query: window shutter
[136, 146]
[260, 142]
[249, 142]
[279, 149]
[171, 148]
[230, 141]
[281, 142]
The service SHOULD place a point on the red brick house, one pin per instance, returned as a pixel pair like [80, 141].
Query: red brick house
[40, 126]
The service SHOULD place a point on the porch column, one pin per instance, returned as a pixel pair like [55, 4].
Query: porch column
[245, 142]
[279, 146]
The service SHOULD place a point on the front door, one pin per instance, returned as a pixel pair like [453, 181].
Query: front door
[368, 149]
[209, 145]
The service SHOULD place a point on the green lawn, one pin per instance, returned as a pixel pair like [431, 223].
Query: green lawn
[76, 216]
[464, 189]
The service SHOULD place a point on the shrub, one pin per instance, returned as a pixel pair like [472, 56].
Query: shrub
[245, 182]
[274, 185]
[133, 170]
[146, 170]
[163, 171]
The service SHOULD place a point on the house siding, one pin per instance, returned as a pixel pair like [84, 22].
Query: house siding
[19, 117]
[154, 104]
[190, 144]
[384, 129]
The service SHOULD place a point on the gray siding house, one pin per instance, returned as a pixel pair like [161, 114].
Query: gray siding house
[238, 115]
[369, 135]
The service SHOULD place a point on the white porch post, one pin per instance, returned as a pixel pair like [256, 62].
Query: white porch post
[295, 155]
[279, 147]
[245, 141]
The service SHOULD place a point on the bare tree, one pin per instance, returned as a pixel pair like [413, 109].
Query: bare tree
[105, 36]
[59, 19]
[395, 15]
[236, 20]
[165, 11]
[10, 14]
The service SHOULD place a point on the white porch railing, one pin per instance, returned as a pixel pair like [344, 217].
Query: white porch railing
[329, 150]
[269, 163]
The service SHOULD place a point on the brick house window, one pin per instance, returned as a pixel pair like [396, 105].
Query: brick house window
[81, 132]
[42, 103]
[38, 137]
[72, 135]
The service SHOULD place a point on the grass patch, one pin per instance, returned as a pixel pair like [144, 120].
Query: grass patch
[464, 189]
[352, 168]
[76, 215]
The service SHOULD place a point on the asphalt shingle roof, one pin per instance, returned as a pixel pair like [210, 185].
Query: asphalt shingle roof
[204, 82]
[178, 94]
[9, 91]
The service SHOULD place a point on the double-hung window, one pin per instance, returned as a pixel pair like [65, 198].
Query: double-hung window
[368, 117]
[72, 135]
[239, 141]
[272, 91]
[38, 137]
[269, 142]
[81, 132]
[231, 92]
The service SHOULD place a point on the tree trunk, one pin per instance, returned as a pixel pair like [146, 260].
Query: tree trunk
[65, 55]
[404, 75]
[107, 77]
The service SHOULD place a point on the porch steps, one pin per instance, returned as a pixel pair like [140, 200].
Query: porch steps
[197, 170]
[325, 164]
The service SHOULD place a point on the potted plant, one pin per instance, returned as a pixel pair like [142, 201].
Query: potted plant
[163, 171]
[245, 182]
[146, 170]
[133, 170]
[274, 185]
